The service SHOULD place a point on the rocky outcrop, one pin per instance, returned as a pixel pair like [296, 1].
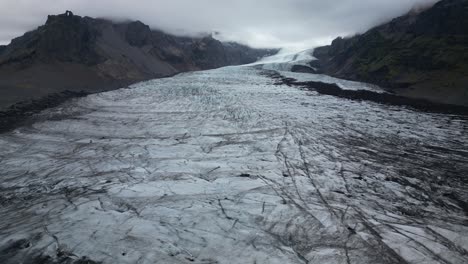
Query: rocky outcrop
[302, 69]
[64, 38]
[73, 53]
[423, 54]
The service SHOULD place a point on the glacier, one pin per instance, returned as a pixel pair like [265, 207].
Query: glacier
[229, 166]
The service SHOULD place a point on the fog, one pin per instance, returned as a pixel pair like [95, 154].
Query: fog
[259, 23]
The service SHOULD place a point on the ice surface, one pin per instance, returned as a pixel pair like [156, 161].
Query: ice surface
[285, 60]
[223, 166]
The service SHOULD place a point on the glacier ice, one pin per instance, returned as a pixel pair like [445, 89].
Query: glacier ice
[224, 166]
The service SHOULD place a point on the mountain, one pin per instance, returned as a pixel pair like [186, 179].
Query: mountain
[73, 53]
[423, 54]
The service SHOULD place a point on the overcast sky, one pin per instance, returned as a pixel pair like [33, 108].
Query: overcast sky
[260, 23]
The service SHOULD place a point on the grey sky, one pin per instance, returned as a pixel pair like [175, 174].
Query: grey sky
[261, 23]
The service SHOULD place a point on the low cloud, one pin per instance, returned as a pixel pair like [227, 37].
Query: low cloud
[260, 23]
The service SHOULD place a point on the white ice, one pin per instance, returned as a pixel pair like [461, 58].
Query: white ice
[223, 166]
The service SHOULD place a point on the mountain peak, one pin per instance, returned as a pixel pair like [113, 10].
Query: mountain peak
[68, 16]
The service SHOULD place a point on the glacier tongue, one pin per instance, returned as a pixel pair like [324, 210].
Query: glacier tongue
[224, 166]
[285, 60]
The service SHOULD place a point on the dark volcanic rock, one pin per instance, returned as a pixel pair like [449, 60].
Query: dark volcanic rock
[68, 38]
[209, 53]
[448, 17]
[302, 68]
[65, 38]
[422, 54]
[365, 95]
[20, 113]
[137, 33]
[241, 54]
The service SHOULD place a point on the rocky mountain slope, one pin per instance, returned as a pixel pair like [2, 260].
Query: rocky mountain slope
[78, 53]
[423, 54]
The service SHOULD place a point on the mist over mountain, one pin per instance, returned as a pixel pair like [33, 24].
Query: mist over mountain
[423, 54]
[298, 24]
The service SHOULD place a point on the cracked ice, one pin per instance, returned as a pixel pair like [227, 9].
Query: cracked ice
[223, 166]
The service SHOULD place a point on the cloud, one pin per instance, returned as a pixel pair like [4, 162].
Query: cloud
[260, 23]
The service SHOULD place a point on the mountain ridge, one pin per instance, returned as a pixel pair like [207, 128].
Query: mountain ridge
[421, 54]
[74, 53]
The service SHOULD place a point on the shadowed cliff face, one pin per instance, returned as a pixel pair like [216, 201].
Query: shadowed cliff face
[63, 38]
[84, 54]
[420, 55]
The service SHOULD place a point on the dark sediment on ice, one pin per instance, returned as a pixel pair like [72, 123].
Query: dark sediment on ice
[365, 95]
[20, 113]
